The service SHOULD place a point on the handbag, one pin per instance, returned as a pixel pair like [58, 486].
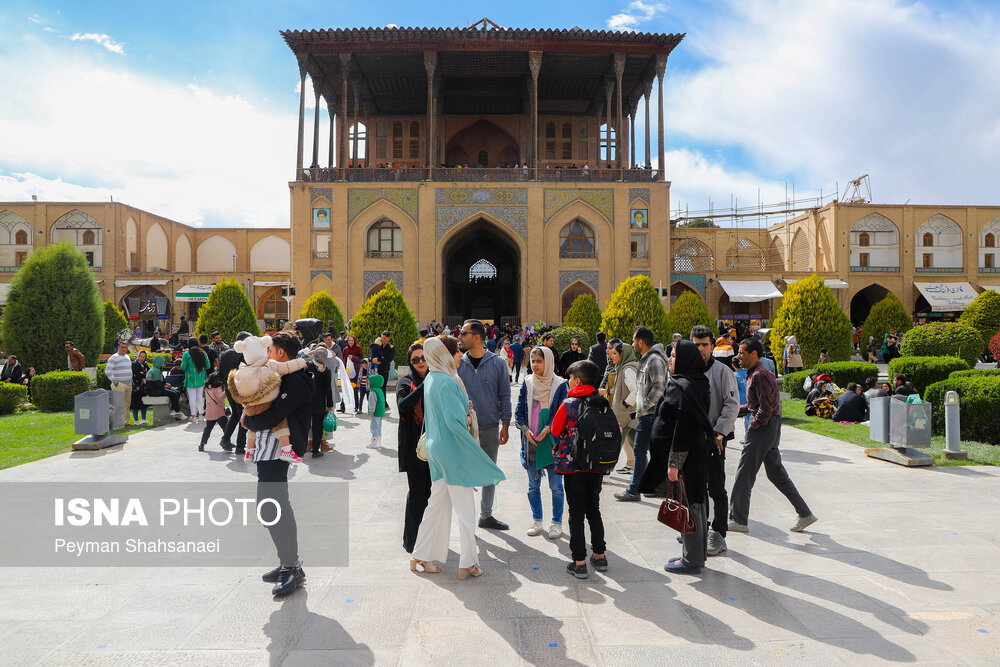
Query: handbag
[675, 511]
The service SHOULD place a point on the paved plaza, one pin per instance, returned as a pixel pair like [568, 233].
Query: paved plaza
[901, 568]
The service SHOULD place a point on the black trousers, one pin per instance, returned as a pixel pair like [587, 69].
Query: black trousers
[418, 479]
[272, 484]
[583, 495]
[234, 425]
[317, 429]
[174, 396]
[717, 490]
[517, 371]
[210, 424]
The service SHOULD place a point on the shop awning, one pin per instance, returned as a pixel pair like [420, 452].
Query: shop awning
[995, 288]
[138, 283]
[749, 291]
[947, 297]
[197, 293]
[832, 283]
[4, 291]
[265, 283]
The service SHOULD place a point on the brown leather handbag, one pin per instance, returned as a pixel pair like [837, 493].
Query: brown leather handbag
[675, 511]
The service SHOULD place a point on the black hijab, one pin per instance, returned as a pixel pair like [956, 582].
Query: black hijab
[687, 392]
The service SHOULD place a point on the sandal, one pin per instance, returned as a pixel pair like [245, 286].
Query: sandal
[624, 469]
[425, 565]
[464, 573]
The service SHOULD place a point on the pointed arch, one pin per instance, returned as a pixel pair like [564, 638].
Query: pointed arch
[577, 239]
[378, 287]
[938, 244]
[216, 253]
[14, 229]
[72, 227]
[775, 255]
[745, 255]
[570, 294]
[824, 253]
[182, 253]
[271, 253]
[800, 257]
[131, 245]
[874, 244]
[384, 239]
[157, 248]
[693, 256]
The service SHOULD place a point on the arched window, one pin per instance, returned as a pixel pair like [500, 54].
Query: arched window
[577, 240]
[928, 240]
[745, 255]
[989, 242]
[88, 237]
[273, 310]
[607, 150]
[385, 239]
[482, 270]
[358, 131]
[572, 292]
[414, 129]
[864, 239]
[693, 256]
[21, 237]
[550, 130]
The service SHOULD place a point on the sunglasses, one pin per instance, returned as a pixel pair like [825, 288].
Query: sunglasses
[416, 360]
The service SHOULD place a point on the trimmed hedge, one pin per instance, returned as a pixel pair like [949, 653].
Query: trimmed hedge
[976, 372]
[104, 383]
[11, 396]
[54, 392]
[983, 315]
[978, 414]
[792, 383]
[322, 306]
[842, 372]
[888, 314]
[114, 322]
[563, 337]
[940, 339]
[925, 371]
[227, 311]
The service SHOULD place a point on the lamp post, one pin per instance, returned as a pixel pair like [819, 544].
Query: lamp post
[952, 429]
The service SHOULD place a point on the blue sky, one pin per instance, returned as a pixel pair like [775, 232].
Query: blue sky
[189, 109]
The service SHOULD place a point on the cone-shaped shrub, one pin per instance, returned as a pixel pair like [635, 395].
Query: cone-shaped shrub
[983, 315]
[227, 311]
[52, 299]
[810, 312]
[889, 314]
[633, 303]
[688, 311]
[584, 313]
[322, 306]
[114, 323]
[386, 310]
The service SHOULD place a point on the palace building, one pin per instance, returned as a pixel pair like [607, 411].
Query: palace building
[495, 173]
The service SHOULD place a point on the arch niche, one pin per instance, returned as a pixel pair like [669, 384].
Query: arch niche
[482, 139]
[131, 245]
[270, 254]
[182, 254]
[156, 248]
[678, 288]
[862, 302]
[216, 253]
[147, 306]
[470, 287]
[273, 309]
[800, 254]
[375, 290]
[570, 294]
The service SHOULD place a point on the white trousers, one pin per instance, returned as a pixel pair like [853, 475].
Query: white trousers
[196, 400]
[435, 528]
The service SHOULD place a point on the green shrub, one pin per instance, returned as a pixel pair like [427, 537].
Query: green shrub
[114, 322]
[584, 314]
[53, 298]
[978, 414]
[635, 302]
[792, 383]
[925, 371]
[688, 311]
[386, 310]
[983, 315]
[54, 392]
[842, 372]
[11, 396]
[810, 312]
[941, 339]
[565, 334]
[322, 306]
[104, 383]
[976, 372]
[227, 311]
[889, 314]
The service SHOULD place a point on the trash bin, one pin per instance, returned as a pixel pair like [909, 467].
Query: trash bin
[878, 410]
[118, 409]
[91, 411]
[909, 424]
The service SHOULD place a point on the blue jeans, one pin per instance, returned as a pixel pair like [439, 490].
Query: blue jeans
[376, 426]
[643, 430]
[535, 491]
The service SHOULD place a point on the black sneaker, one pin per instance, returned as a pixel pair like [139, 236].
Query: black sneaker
[201, 447]
[318, 453]
[600, 564]
[578, 571]
[240, 451]
[493, 523]
[626, 497]
[272, 576]
[289, 578]
[226, 445]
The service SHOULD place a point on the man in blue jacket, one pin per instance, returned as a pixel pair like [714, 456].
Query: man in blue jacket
[518, 353]
[488, 384]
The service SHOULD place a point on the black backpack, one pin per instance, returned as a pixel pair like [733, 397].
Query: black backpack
[598, 440]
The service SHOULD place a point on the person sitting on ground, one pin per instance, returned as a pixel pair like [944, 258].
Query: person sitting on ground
[11, 371]
[851, 406]
[902, 387]
[873, 391]
[823, 406]
[814, 393]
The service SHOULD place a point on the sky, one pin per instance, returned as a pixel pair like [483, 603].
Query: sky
[189, 109]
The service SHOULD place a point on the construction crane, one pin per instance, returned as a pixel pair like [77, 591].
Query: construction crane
[855, 191]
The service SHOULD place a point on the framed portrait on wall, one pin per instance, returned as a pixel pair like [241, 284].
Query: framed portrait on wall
[321, 217]
[640, 218]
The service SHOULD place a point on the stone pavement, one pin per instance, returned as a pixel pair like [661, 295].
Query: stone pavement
[901, 568]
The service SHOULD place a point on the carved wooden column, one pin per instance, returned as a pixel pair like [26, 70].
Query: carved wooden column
[345, 70]
[661, 67]
[535, 65]
[619, 130]
[366, 110]
[609, 87]
[302, 117]
[430, 64]
[317, 89]
[356, 89]
[647, 91]
[330, 109]
[631, 145]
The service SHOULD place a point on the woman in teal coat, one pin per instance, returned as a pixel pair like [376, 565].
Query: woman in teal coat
[457, 463]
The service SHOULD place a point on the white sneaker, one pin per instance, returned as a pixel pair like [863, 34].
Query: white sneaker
[373, 444]
[716, 543]
[536, 529]
[555, 531]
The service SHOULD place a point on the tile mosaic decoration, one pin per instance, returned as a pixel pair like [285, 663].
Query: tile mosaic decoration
[358, 199]
[556, 199]
[695, 280]
[373, 278]
[567, 278]
[508, 205]
[638, 273]
[314, 274]
[638, 194]
[316, 193]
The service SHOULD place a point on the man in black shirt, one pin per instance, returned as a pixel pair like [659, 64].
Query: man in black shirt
[599, 353]
[851, 406]
[155, 342]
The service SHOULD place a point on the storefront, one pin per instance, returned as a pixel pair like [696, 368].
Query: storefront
[146, 308]
[747, 300]
[942, 301]
[195, 297]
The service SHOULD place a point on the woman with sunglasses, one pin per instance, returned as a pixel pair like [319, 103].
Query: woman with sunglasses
[410, 401]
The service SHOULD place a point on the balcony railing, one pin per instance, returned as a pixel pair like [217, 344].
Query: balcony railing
[584, 254]
[939, 269]
[321, 254]
[384, 254]
[640, 254]
[989, 269]
[475, 175]
[874, 269]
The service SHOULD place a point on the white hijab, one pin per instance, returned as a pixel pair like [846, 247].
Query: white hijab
[440, 360]
[541, 384]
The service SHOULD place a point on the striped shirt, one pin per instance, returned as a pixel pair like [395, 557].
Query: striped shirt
[119, 368]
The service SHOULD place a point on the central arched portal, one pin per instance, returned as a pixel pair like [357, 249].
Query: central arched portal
[481, 275]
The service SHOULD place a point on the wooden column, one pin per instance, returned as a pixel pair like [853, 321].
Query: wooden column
[345, 70]
[330, 109]
[317, 85]
[631, 145]
[620, 129]
[647, 91]
[661, 67]
[535, 65]
[302, 118]
[366, 110]
[609, 86]
[356, 89]
[430, 64]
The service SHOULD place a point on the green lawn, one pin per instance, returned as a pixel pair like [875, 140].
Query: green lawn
[793, 414]
[31, 435]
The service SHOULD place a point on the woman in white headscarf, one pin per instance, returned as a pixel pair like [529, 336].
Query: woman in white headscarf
[457, 463]
[541, 395]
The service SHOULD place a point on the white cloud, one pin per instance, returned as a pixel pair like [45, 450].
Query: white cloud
[102, 39]
[34, 19]
[82, 131]
[635, 13]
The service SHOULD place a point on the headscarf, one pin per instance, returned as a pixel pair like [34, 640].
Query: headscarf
[687, 390]
[627, 356]
[440, 360]
[541, 384]
[319, 357]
